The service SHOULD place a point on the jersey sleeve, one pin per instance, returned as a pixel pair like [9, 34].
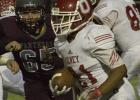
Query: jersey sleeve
[4, 40]
[110, 19]
[103, 48]
[107, 12]
[105, 7]
[108, 57]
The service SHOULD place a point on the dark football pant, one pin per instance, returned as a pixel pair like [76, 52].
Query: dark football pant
[38, 90]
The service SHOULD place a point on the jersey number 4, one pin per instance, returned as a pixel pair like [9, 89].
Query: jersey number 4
[132, 14]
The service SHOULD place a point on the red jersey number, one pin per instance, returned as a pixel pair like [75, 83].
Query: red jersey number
[132, 16]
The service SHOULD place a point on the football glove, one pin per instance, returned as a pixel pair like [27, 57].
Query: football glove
[13, 46]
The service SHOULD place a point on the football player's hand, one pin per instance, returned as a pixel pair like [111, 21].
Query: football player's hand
[13, 66]
[13, 46]
[89, 95]
[56, 92]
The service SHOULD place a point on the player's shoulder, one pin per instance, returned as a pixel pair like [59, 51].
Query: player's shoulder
[100, 35]
[7, 19]
[9, 27]
[8, 23]
[105, 6]
[97, 30]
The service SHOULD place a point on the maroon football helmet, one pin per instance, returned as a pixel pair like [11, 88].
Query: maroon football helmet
[70, 15]
[7, 7]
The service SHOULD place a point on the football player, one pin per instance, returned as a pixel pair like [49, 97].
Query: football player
[85, 47]
[26, 35]
[10, 82]
[123, 18]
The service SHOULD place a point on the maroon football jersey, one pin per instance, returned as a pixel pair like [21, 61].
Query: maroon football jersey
[34, 61]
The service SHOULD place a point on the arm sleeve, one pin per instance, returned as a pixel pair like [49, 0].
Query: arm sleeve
[110, 19]
[4, 40]
[103, 47]
[107, 12]
[108, 57]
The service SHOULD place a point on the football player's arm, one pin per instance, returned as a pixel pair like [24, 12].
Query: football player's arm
[118, 70]
[7, 43]
[114, 79]
[108, 13]
[110, 19]
[4, 40]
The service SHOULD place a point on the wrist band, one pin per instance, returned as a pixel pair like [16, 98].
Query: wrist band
[97, 92]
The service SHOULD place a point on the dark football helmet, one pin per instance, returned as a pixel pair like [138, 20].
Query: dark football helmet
[30, 14]
[70, 15]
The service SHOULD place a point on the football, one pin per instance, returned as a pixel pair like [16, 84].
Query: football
[63, 77]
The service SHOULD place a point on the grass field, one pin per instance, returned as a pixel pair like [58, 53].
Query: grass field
[12, 96]
[134, 83]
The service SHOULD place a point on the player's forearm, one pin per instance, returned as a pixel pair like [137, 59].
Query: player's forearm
[114, 79]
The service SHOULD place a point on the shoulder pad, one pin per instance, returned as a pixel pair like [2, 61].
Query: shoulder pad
[104, 8]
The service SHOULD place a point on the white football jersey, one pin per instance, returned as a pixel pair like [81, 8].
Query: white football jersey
[131, 1]
[92, 45]
[125, 24]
